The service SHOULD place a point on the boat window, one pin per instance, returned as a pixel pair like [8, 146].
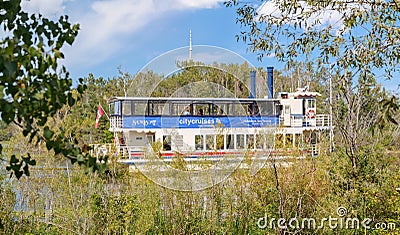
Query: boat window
[239, 110]
[252, 109]
[201, 109]
[179, 109]
[266, 108]
[228, 109]
[126, 108]
[187, 111]
[216, 110]
[209, 110]
[314, 137]
[151, 138]
[199, 142]
[287, 109]
[311, 103]
[250, 141]
[210, 142]
[178, 141]
[220, 142]
[223, 109]
[298, 140]
[249, 110]
[166, 142]
[230, 144]
[279, 140]
[256, 110]
[240, 141]
[139, 108]
[115, 108]
[289, 140]
[260, 141]
[158, 108]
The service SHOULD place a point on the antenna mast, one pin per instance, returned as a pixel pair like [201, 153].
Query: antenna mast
[190, 45]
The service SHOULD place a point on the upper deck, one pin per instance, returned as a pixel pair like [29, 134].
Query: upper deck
[160, 112]
[290, 110]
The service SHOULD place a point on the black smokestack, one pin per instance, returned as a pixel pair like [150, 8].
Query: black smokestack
[270, 71]
[252, 84]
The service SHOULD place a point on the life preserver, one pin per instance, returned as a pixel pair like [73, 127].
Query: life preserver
[311, 113]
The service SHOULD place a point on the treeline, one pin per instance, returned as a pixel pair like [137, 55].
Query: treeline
[360, 176]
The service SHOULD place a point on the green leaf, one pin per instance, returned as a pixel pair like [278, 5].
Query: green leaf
[26, 170]
[18, 174]
[10, 68]
[71, 100]
[13, 160]
[48, 134]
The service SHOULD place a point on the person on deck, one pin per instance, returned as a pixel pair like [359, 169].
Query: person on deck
[201, 112]
[186, 112]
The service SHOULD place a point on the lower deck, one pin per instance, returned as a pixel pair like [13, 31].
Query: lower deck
[213, 141]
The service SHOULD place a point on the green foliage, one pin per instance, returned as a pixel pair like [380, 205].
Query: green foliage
[8, 199]
[194, 73]
[24, 163]
[33, 86]
[364, 37]
[372, 193]
[389, 107]
[116, 213]
[6, 132]
[357, 47]
[130, 203]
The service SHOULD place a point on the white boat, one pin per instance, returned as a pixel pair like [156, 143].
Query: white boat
[212, 128]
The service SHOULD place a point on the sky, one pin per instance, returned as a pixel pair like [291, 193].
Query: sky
[128, 34]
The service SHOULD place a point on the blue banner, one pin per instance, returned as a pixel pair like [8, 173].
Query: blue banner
[197, 122]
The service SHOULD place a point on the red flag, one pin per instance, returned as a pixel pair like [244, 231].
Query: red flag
[100, 113]
[115, 138]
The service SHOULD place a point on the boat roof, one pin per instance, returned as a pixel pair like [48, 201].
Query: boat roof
[305, 94]
[196, 99]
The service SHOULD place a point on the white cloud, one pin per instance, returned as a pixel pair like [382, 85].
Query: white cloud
[325, 18]
[107, 23]
[197, 3]
[45, 7]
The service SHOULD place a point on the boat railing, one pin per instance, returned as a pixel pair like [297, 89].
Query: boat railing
[115, 122]
[99, 150]
[296, 121]
[320, 120]
[323, 120]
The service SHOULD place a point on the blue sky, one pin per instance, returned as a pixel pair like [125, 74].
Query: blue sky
[130, 33]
